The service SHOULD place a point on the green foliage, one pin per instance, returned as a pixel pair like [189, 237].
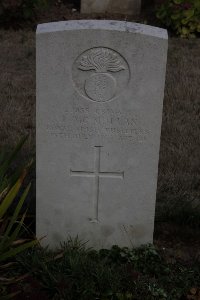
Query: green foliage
[74, 272]
[182, 16]
[9, 189]
[11, 226]
[21, 9]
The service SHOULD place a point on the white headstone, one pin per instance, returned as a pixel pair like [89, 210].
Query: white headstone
[100, 87]
[127, 7]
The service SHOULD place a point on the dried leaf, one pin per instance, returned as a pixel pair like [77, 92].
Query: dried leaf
[59, 256]
[8, 265]
[19, 242]
[22, 277]
[193, 291]
[4, 279]
[12, 280]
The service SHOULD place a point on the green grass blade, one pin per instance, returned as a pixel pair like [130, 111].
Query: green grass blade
[17, 230]
[15, 251]
[10, 197]
[9, 181]
[17, 210]
[15, 175]
[4, 184]
[7, 241]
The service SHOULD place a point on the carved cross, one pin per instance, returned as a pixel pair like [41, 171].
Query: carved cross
[97, 174]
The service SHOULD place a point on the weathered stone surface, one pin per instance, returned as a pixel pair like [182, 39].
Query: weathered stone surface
[128, 7]
[100, 87]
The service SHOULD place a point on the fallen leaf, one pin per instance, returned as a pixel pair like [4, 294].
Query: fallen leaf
[193, 291]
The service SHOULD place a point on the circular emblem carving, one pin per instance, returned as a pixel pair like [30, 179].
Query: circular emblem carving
[100, 87]
[100, 74]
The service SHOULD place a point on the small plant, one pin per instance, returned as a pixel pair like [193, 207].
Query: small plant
[11, 225]
[9, 188]
[182, 16]
[75, 272]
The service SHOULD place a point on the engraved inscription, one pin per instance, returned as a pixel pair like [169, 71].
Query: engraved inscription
[97, 174]
[99, 124]
[100, 74]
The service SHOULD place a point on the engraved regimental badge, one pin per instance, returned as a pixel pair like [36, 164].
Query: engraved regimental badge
[100, 74]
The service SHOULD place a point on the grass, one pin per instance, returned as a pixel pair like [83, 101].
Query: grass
[179, 173]
[17, 88]
[75, 272]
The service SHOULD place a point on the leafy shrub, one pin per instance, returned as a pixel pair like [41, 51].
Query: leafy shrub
[20, 9]
[182, 16]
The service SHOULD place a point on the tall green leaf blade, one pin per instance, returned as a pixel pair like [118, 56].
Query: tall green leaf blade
[17, 210]
[17, 230]
[10, 197]
[7, 240]
[15, 251]
[11, 180]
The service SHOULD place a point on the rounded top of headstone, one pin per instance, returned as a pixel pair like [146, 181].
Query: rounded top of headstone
[112, 25]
